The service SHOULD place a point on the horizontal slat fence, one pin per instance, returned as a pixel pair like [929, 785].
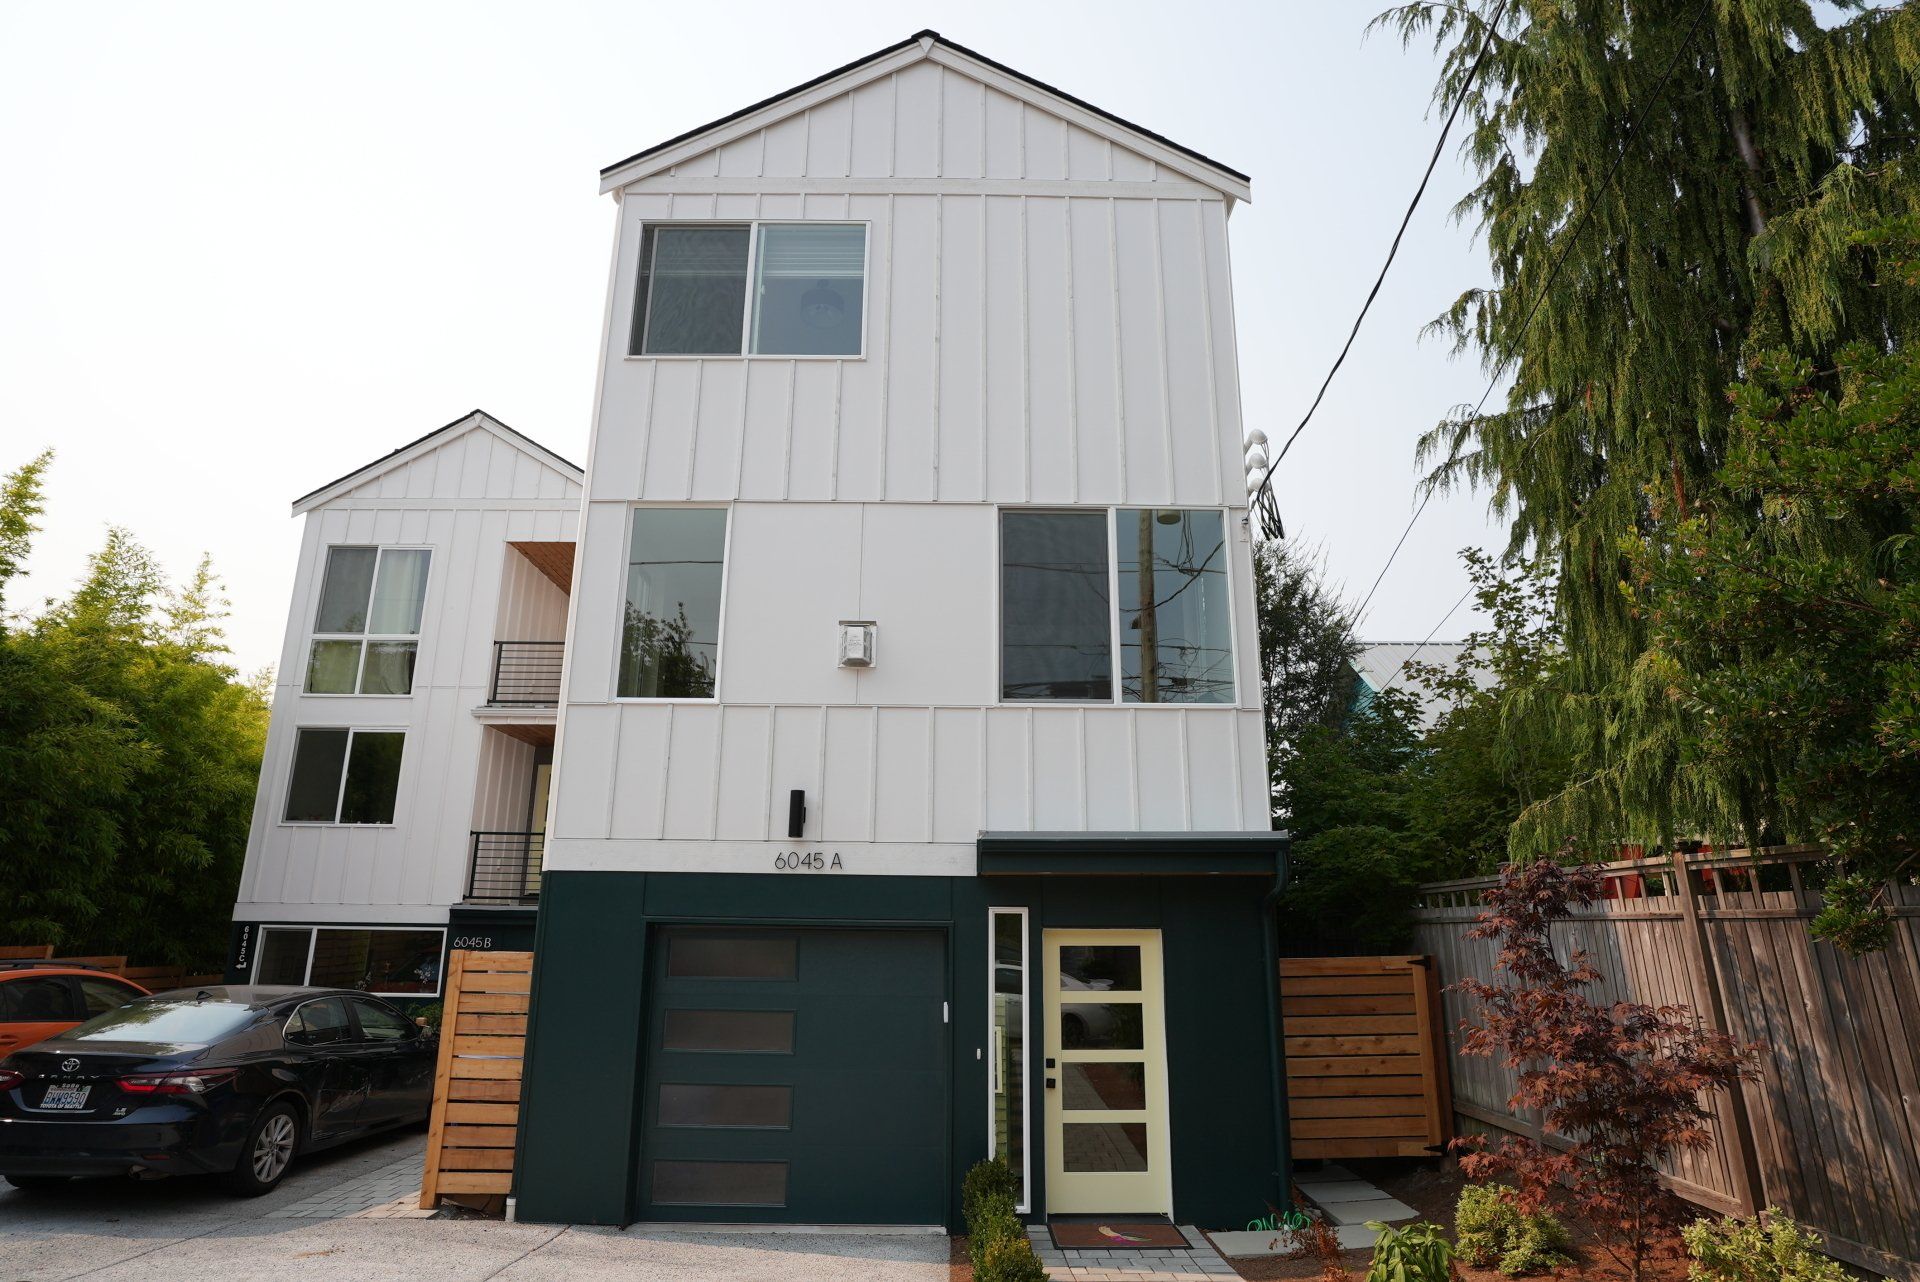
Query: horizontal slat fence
[1361, 1060]
[476, 1088]
[1831, 1133]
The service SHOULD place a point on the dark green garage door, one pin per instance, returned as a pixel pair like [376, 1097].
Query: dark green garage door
[797, 1076]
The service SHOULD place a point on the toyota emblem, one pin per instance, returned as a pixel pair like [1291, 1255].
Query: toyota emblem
[69, 1065]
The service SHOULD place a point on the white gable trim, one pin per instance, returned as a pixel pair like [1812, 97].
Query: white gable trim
[928, 49]
[771, 114]
[477, 421]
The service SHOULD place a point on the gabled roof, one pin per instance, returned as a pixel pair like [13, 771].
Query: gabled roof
[926, 45]
[472, 421]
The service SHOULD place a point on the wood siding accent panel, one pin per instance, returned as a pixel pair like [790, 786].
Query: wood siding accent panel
[476, 1112]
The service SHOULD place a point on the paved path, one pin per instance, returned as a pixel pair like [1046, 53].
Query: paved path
[324, 1222]
[1198, 1262]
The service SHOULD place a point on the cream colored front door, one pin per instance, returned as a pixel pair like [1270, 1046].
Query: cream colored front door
[1105, 1073]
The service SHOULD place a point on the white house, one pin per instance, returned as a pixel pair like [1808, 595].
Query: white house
[402, 798]
[912, 798]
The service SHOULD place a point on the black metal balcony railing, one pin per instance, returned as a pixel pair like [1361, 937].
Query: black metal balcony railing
[526, 673]
[506, 867]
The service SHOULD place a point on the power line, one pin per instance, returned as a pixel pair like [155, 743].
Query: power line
[1423, 644]
[1439, 145]
[1553, 273]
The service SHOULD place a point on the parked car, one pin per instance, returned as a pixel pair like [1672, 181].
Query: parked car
[228, 1080]
[39, 999]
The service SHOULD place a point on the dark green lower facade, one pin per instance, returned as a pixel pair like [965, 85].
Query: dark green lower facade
[881, 1102]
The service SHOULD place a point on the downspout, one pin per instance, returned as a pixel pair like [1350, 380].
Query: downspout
[1282, 1141]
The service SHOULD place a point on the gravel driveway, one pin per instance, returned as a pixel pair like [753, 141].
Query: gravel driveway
[122, 1231]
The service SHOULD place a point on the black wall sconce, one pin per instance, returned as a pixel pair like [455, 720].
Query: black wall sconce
[797, 813]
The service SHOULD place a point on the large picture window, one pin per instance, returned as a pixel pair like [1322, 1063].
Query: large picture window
[1176, 643]
[366, 632]
[806, 298]
[1056, 608]
[1147, 583]
[344, 776]
[670, 630]
[384, 962]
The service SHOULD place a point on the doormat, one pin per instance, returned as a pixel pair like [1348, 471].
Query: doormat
[1115, 1235]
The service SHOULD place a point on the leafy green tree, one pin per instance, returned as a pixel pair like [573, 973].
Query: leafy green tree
[1665, 190]
[129, 756]
[1307, 649]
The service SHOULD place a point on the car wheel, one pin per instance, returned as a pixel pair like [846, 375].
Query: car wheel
[268, 1152]
[39, 1183]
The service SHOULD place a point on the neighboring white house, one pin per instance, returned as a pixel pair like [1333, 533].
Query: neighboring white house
[402, 795]
[912, 798]
[1383, 665]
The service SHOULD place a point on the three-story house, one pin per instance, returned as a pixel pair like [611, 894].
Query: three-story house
[911, 802]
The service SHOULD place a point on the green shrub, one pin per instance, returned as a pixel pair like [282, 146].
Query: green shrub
[991, 1178]
[1490, 1229]
[1009, 1260]
[1767, 1248]
[994, 1223]
[1417, 1253]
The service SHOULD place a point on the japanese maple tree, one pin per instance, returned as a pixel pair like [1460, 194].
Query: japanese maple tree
[1624, 1085]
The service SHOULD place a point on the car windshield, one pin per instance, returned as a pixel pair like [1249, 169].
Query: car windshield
[163, 1019]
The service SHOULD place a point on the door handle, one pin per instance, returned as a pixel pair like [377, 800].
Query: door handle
[1050, 1085]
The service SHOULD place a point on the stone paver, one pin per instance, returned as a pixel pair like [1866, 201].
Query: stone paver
[1197, 1262]
[392, 1192]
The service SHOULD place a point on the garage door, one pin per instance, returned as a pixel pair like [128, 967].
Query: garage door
[796, 1076]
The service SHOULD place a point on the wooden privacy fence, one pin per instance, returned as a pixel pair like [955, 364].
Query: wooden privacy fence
[1831, 1133]
[153, 978]
[1365, 1074]
[476, 1087]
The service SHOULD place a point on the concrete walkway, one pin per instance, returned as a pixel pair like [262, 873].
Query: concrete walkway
[324, 1222]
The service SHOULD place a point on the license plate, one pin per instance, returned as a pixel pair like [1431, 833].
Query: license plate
[65, 1097]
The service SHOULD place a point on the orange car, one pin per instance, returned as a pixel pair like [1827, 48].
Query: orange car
[39, 999]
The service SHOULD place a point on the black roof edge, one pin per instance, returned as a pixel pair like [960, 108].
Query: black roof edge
[444, 427]
[913, 39]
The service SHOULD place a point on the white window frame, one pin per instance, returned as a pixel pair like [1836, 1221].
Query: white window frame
[720, 632]
[340, 793]
[753, 226]
[1026, 1051]
[366, 639]
[1119, 697]
[313, 930]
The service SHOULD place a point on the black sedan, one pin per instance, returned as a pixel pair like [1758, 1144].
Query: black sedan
[226, 1080]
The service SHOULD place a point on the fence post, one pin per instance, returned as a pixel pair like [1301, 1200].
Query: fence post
[1737, 1135]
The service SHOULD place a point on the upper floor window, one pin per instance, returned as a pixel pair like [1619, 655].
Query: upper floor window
[670, 631]
[344, 776]
[765, 289]
[366, 633]
[1065, 609]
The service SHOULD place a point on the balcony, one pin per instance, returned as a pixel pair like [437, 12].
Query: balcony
[505, 867]
[526, 674]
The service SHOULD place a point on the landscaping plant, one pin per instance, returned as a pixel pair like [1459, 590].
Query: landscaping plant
[1491, 1230]
[1768, 1248]
[996, 1243]
[1416, 1253]
[1624, 1085]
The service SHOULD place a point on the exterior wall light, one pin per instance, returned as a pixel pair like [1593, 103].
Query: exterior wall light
[859, 641]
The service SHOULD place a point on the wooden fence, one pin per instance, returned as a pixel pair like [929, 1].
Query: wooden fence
[1365, 1077]
[476, 1088]
[1831, 1134]
[156, 979]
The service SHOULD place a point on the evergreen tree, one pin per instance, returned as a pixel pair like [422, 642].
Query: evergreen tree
[1307, 649]
[1676, 183]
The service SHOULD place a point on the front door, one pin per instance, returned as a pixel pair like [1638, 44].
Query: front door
[1106, 1073]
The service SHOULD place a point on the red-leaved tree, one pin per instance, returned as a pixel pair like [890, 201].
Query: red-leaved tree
[1624, 1085]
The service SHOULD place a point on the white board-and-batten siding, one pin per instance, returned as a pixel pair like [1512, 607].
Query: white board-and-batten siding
[466, 500]
[1048, 323]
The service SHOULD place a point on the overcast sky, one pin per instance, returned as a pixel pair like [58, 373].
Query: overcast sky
[245, 248]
